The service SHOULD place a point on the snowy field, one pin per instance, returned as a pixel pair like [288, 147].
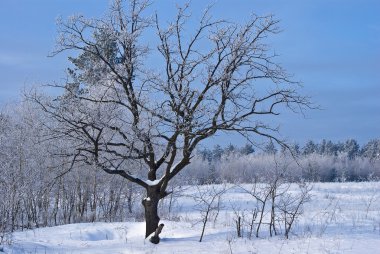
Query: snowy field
[340, 218]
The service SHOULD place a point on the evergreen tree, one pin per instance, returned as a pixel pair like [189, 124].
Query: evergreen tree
[371, 150]
[296, 149]
[351, 147]
[230, 149]
[331, 148]
[206, 154]
[217, 152]
[322, 147]
[247, 149]
[270, 148]
[310, 148]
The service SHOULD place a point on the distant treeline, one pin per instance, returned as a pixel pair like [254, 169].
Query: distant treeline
[326, 161]
[349, 148]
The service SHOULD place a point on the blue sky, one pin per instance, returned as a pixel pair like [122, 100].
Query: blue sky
[332, 46]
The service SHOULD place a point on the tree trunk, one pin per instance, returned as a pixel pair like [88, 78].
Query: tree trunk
[150, 204]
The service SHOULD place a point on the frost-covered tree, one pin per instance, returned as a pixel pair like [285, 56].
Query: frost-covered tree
[310, 148]
[143, 121]
[351, 147]
[230, 149]
[296, 149]
[331, 148]
[270, 148]
[217, 152]
[247, 149]
[322, 147]
[371, 149]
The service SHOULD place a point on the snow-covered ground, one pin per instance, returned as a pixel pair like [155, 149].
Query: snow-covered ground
[340, 218]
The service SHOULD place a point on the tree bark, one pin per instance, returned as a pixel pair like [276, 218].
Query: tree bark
[155, 238]
[150, 204]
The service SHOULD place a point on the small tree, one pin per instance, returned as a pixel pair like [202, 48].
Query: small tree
[126, 117]
[208, 203]
[292, 206]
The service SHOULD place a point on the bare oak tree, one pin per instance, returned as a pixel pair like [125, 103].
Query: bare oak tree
[139, 111]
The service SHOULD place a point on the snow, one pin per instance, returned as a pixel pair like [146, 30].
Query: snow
[155, 182]
[341, 218]
[152, 183]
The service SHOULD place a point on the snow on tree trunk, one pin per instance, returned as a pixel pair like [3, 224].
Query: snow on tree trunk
[150, 204]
